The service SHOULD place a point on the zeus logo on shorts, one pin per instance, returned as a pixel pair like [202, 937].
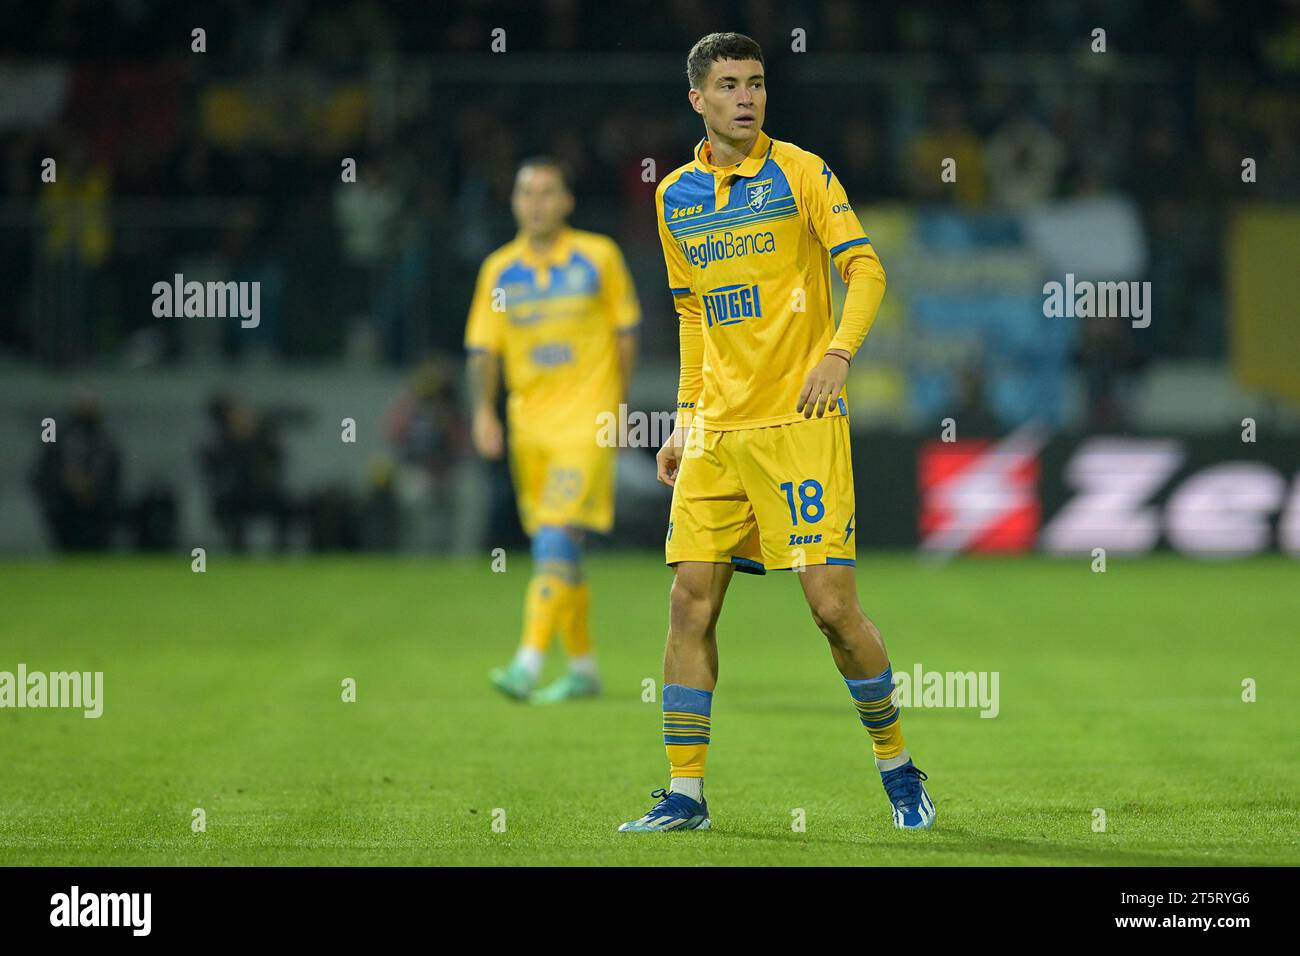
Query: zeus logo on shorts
[728, 245]
[805, 539]
[729, 304]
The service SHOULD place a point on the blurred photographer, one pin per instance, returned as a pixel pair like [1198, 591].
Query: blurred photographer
[244, 466]
[76, 481]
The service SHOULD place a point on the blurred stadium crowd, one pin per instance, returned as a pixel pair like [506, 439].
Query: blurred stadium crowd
[241, 459]
[226, 165]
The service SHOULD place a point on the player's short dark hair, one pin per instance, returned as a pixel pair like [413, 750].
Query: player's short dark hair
[550, 162]
[718, 46]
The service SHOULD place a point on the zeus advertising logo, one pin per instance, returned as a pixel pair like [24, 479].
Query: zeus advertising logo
[728, 245]
[729, 304]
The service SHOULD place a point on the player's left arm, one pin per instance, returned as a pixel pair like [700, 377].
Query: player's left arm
[625, 312]
[836, 226]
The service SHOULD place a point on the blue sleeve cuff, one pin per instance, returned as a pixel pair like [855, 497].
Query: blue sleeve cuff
[864, 241]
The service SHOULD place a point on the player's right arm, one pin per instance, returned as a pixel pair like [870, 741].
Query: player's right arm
[484, 334]
[690, 382]
[690, 318]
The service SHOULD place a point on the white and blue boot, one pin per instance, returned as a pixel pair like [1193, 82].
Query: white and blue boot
[913, 808]
[674, 811]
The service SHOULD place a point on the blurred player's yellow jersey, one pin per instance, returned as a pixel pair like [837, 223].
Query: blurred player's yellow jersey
[554, 321]
[748, 249]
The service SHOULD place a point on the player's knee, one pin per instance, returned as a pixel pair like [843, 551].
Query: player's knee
[836, 615]
[557, 543]
[557, 551]
[686, 595]
[690, 606]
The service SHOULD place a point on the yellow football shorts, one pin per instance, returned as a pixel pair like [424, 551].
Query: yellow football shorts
[564, 484]
[766, 499]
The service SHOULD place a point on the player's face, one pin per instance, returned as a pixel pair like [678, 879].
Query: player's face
[540, 201]
[732, 99]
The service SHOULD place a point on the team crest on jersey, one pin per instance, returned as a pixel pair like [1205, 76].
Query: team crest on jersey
[756, 194]
[575, 278]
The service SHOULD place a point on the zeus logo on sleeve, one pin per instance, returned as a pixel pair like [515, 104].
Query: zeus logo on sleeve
[729, 304]
[727, 245]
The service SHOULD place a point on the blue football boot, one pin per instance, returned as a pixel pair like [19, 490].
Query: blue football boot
[913, 808]
[674, 811]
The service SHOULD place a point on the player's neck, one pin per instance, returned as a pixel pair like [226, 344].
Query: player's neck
[728, 153]
[542, 243]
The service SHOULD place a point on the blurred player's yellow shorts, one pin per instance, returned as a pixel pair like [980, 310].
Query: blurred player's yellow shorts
[563, 484]
[766, 499]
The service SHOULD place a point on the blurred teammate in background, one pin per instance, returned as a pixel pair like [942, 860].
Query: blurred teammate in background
[555, 306]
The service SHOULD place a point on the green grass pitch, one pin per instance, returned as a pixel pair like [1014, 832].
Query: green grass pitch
[1120, 691]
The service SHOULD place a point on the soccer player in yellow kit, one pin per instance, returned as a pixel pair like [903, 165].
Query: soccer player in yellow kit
[759, 461]
[557, 307]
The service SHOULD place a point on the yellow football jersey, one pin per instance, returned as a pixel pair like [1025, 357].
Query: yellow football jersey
[554, 322]
[748, 249]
